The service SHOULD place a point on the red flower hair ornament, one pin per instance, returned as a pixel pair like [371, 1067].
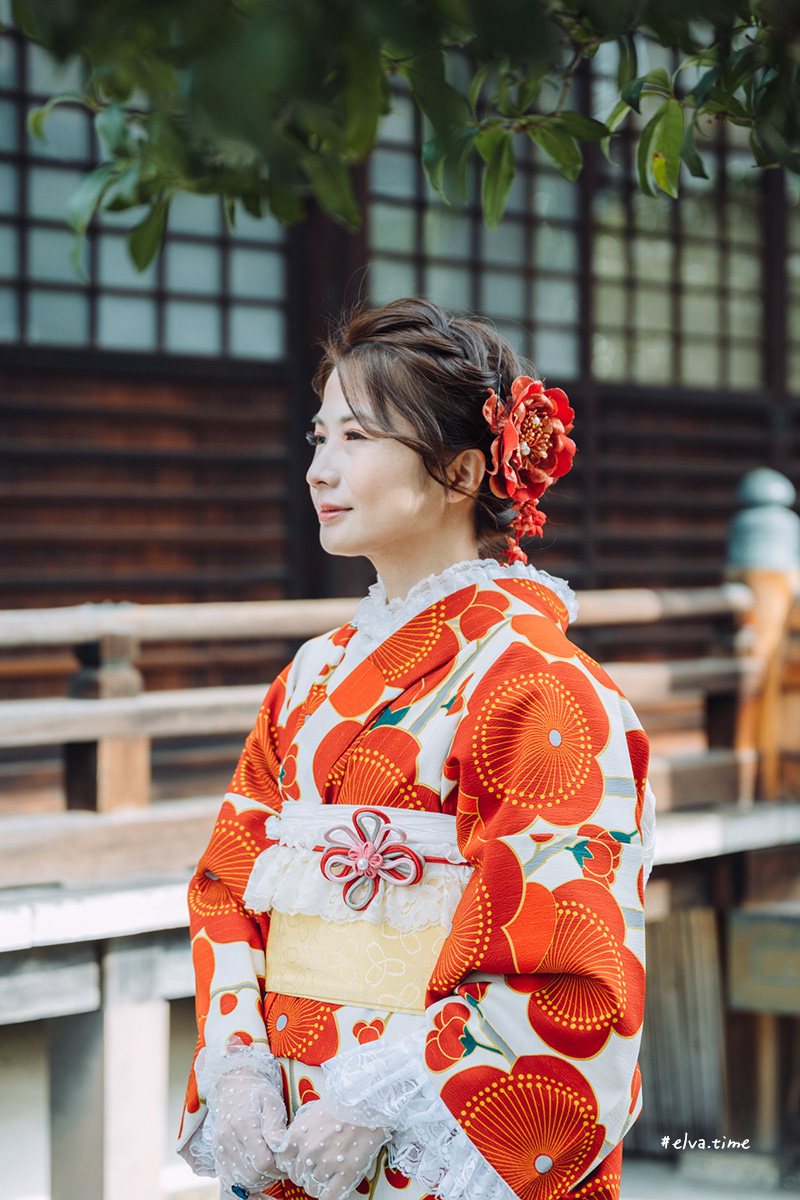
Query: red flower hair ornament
[530, 452]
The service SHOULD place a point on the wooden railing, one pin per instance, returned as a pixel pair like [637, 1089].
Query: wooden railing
[107, 723]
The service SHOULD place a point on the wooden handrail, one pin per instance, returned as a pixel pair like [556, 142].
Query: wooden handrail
[194, 711]
[226, 621]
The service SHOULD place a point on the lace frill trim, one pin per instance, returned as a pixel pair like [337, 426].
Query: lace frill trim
[199, 1150]
[385, 1085]
[213, 1063]
[377, 618]
[289, 880]
[648, 830]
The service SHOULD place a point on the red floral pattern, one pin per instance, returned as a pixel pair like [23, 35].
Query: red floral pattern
[514, 922]
[301, 1028]
[536, 1123]
[588, 983]
[533, 744]
[218, 884]
[443, 1047]
[600, 854]
[365, 1032]
[537, 596]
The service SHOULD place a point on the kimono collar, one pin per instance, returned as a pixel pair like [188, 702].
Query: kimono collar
[377, 618]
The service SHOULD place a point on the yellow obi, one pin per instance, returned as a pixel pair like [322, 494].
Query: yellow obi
[376, 952]
[352, 962]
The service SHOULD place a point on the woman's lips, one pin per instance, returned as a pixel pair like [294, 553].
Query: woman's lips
[330, 514]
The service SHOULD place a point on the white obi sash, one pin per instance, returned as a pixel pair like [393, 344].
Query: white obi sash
[377, 956]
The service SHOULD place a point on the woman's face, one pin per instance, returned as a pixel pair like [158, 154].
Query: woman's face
[372, 494]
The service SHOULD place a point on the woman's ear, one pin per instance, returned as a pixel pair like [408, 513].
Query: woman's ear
[465, 473]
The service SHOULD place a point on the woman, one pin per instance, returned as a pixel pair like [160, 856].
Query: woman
[418, 927]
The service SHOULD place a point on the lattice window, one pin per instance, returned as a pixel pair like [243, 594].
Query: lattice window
[678, 294]
[213, 292]
[523, 275]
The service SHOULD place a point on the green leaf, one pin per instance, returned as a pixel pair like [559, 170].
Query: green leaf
[580, 126]
[446, 162]
[691, 155]
[702, 90]
[626, 69]
[644, 152]
[528, 90]
[111, 125]
[476, 87]
[441, 103]
[88, 194]
[657, 80]
[76, 257]
[498, 175]
[622, 837]
[561, 147]
[144, 240]
[488, 139]
[37, 116]
[762, 157]
[333, 186]
[667, 149]
[615, 118]
[580, 851]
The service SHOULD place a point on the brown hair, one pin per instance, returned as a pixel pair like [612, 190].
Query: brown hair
[434, 368]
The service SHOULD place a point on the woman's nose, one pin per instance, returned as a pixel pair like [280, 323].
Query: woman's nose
[322, 469]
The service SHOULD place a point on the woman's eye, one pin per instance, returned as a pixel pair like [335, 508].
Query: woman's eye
[354, 435]
[314, 439]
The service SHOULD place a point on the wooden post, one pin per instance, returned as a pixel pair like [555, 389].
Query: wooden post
[768, 1066]
[764, 553]
[113, 772]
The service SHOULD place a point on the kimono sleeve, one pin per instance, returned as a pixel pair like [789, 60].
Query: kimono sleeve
[537, 1000]
[228, 940]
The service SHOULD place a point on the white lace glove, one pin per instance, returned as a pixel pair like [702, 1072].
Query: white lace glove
[249, 1117]
[327, 1157]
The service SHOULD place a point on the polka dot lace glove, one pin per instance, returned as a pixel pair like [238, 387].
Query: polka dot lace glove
[327, 1157]
[249, 1116]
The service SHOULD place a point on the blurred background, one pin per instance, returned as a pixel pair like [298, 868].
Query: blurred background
[152, 455]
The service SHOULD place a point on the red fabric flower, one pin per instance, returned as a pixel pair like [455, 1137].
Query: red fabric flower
[443, 1046]
[530, 452]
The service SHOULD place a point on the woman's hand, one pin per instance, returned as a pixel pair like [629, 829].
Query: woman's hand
[327, 1157]
[249, 1117]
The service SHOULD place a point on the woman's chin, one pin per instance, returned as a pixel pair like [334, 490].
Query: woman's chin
[337, 541]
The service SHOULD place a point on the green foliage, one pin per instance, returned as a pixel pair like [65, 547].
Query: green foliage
[269, 104]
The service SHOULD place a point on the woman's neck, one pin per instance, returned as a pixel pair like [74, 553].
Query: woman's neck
[400, 572]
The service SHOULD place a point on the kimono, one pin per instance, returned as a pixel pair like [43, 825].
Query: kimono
[424, 894]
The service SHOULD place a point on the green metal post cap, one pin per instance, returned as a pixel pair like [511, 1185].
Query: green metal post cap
[765, 535]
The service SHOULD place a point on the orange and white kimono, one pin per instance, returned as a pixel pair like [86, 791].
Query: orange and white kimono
[424, 894]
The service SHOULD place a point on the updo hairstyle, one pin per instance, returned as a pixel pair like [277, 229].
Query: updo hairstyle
[434, 368]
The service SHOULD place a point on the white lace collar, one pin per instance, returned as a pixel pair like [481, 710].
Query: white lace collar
[377, 618]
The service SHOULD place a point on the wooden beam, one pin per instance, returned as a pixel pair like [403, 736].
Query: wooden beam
[636, 606]
[75, 848]
[192, 711]
[180, 713]
[305, 618]
[56, 983]
[226, 620]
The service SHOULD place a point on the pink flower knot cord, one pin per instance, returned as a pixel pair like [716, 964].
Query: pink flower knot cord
[364, 855]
